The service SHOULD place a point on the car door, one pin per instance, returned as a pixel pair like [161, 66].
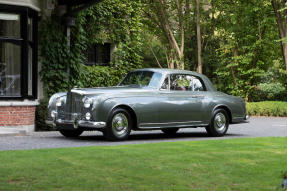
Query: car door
[181, 100]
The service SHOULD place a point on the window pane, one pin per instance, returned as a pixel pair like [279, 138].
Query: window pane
[30, 29]
[154, 82]
[165, 84]
[139, 78]
[91, 56]
[180, 82]
[9, 25]
[197, 85]
[10, 61]
[98, 54]
[30, 71]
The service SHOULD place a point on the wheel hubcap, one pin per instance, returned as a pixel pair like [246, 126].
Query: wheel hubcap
[120, 124]
[220, 122]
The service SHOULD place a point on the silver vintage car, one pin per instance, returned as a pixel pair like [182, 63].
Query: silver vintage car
[146, 99]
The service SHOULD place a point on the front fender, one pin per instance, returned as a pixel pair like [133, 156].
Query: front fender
[106, 107]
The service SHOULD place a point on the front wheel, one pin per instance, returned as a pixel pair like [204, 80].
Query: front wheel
[219, 123]
[71, 133]
[119, 125]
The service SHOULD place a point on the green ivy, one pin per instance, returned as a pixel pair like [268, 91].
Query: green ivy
[119, 22]
[56, 56]
[116, 21]
[100, 76]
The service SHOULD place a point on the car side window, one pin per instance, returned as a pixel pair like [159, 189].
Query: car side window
[183, 82]
[165, 84]
[180, 82]
[197, 85]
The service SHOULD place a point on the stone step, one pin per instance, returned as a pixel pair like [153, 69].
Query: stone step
[12, 132]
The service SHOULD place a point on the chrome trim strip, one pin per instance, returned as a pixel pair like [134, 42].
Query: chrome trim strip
[238, 117]
[81, 92]
[177, 126]
[91, 124]
[81, 123]
[170, 123]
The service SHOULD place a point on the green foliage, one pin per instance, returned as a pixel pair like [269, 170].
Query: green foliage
[272, 91]
[247, 49]
[267, 108]
[119, 22]
[56, 55]
[99, 76]
[41, 116]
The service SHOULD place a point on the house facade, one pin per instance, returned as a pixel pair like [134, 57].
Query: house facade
[20, 85]
[19, 63]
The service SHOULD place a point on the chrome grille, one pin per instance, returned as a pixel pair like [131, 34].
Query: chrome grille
[73, 105]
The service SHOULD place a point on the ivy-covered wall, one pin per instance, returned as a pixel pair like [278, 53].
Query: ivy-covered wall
[117, 21]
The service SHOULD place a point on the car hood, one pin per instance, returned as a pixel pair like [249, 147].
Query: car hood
[110, 90]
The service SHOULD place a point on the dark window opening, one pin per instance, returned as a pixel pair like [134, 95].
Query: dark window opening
[99, 54]
[183, 82]
[18, 52]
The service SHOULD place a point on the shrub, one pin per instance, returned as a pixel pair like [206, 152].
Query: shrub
[41, 116]
[267, 108]
[271, 92]
[99, 76]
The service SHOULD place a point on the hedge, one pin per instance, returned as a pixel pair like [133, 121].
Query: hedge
[267, 108]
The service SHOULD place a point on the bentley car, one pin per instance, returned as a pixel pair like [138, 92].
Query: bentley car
[146, 99]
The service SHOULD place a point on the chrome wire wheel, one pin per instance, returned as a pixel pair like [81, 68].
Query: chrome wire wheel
[120, 124]
[220, 122]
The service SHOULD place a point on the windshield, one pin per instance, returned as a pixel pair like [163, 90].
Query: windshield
[142, 79]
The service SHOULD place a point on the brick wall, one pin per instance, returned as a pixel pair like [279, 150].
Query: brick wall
[17, 115]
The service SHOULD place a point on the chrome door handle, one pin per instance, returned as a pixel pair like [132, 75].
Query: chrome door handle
[197, 96]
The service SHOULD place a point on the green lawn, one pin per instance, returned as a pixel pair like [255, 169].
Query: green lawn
[237, 164]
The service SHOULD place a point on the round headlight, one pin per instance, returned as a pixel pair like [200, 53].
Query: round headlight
[59, 102]
[88, 116]
[88, 102]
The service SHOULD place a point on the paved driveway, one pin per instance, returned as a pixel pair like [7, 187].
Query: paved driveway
[257, 127]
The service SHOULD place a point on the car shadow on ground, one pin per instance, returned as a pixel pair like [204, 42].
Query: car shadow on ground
[142, 137]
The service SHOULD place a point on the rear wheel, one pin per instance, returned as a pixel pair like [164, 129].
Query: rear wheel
[71, 133]
[170, 131]
[219, 123]
[119, 125]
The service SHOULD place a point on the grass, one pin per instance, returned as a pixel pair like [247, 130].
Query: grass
[231, 164]
[267, 108]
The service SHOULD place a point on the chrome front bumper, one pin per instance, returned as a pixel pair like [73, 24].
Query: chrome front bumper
[76, 124]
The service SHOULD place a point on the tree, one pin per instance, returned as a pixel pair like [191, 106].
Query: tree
[166, 20]
[199, 67]
[245, 34]
[280, 9]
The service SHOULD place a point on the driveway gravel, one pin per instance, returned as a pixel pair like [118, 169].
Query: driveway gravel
[256, 127]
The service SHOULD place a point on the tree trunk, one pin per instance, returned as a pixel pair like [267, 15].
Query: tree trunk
[284, 49]
[232, 68]
[166, 22]
[199, 65]
[281, 19]
[155, 57]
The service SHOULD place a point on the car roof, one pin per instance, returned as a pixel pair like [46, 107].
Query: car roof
[170, 71]
[166, 71]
